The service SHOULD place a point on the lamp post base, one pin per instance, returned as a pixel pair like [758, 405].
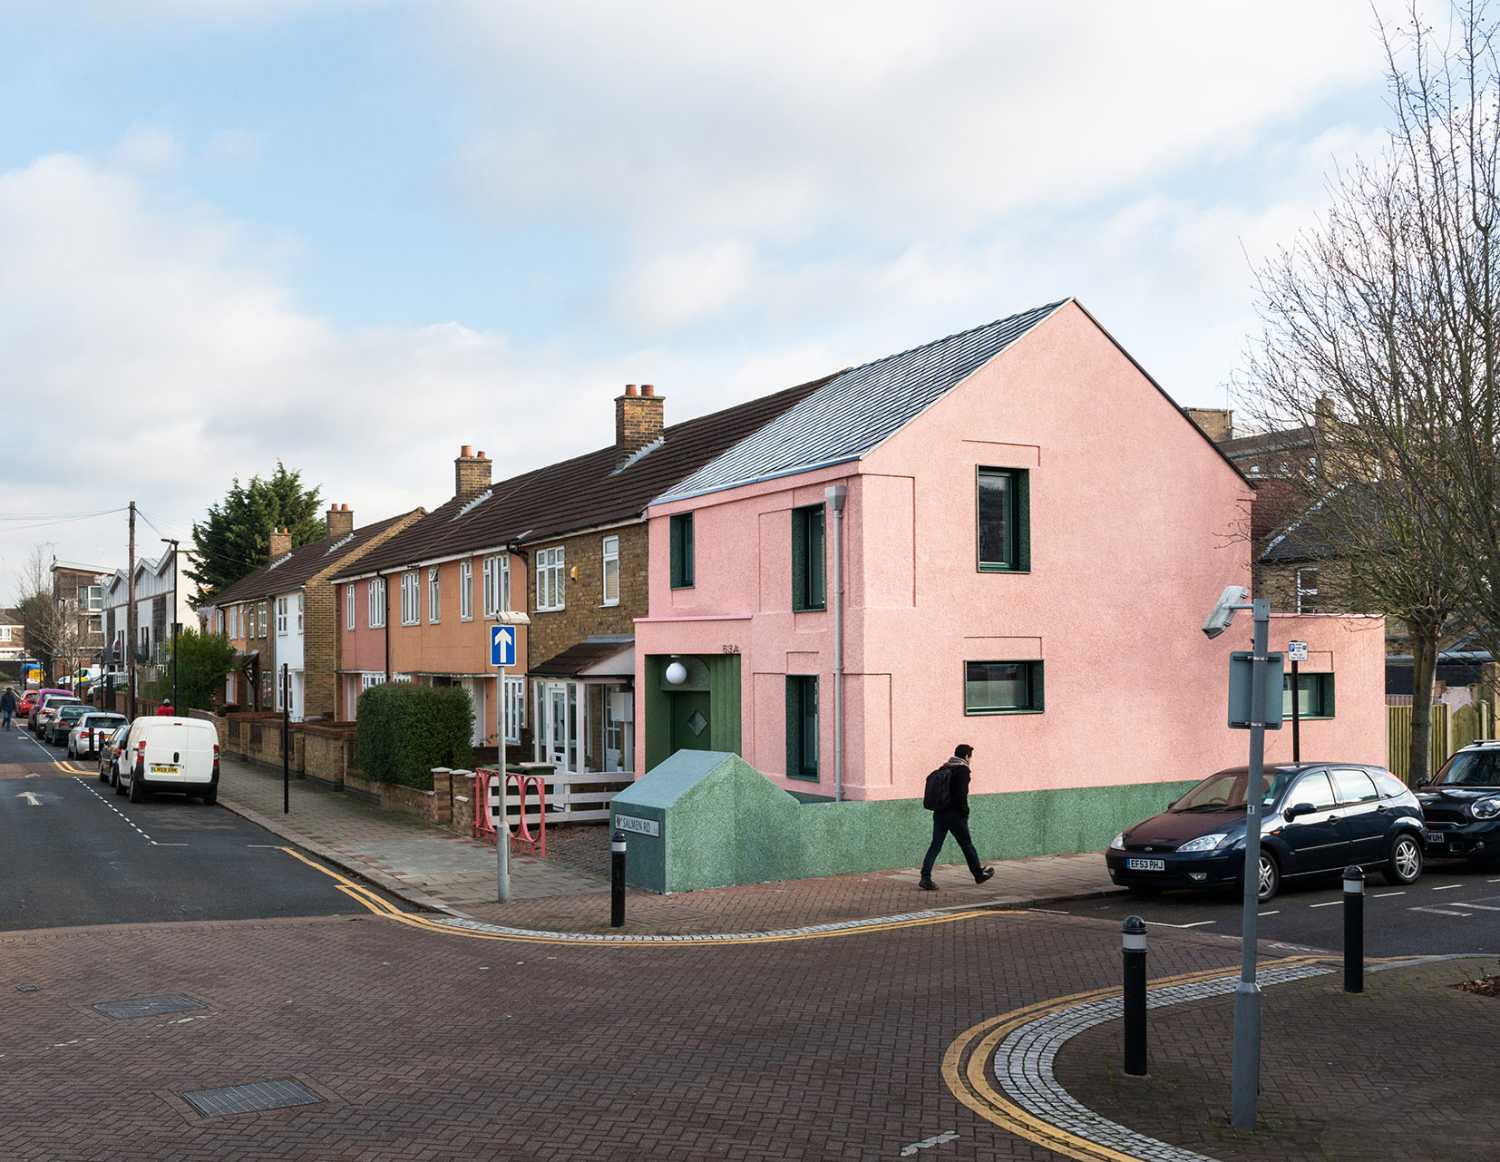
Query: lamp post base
[1245, 1084]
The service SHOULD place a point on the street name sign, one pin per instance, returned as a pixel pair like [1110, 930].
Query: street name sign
[638, 825]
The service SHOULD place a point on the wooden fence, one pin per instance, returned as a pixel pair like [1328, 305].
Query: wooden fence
[1451, 729]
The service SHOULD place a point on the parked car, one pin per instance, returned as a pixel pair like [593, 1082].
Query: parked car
[39, 703]
[1462, 804]
[170, 754]
[61, 723]
[91, 729]
[110, 751]
[47, 710]
[1317, 818]
[23, 709]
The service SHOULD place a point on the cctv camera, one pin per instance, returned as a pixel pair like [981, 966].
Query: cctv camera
[1233, 597]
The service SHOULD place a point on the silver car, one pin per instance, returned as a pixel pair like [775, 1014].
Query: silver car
[91, 730]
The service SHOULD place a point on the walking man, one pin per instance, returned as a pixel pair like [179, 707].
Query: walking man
[947, 797]
[7, 706]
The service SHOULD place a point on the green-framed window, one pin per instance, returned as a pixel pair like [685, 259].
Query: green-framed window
[809, 568]
[1314, 696]
[1003, 503]
[682, 551]
[801, 726]
[1003, 688]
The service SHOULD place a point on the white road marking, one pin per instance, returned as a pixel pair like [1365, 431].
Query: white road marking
[1447, 887]
[1383, 895]
[30, 797]
[1481, 907]
[82, 783]
[1276, 912]
[156, 843]
[928, 1143]
[1442, 912]
[1164, 924]
[1327, 904]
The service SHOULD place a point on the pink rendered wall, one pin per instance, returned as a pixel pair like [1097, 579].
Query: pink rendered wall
[1137, 524]
[452, 645]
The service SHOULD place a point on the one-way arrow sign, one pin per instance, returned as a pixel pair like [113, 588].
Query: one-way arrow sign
[502, 645]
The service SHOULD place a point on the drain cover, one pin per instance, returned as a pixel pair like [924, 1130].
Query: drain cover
[147, 1006]
[28, 988]
[252, 1098]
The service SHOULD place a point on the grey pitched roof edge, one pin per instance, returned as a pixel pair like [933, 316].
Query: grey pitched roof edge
[685, 490]
[252, 587]
[1286, 531]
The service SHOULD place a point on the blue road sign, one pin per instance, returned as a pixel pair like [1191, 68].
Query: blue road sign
[502, 645]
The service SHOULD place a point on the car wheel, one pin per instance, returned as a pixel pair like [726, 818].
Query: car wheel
[114, 781]
[1270, 877]
[103, 774]
[1404, 864]
[211, 796]
[137, 788]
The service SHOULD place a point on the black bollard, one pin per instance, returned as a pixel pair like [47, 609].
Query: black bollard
[1354, 929]
[1134, 940]
[617, 880]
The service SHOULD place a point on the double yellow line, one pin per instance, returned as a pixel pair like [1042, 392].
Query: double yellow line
[966, 1068]
[389, 911]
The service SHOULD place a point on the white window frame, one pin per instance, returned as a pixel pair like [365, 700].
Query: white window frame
[301, 612]
[515, 709]
[219, 619]
[466, 590]
[609, 549]
[496, 584]
[281, 620]
[1303, 591]
[349, 605]
[551, 595]
[411, 597]
[368, 681]
[434, 595]
[375, 614]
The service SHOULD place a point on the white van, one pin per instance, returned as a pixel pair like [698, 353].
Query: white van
[170, 754]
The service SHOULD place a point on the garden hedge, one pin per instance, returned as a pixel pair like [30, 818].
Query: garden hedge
[402, 731]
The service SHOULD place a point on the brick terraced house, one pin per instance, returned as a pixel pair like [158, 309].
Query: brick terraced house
[566, 546]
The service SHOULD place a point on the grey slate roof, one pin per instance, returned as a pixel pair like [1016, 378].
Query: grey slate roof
[857, 409]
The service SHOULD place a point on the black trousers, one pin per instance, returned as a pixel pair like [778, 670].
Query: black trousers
[944, 824]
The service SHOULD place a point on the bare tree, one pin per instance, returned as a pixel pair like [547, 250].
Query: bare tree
[1372, 319]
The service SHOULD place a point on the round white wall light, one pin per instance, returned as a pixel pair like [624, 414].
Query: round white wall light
[676, 674]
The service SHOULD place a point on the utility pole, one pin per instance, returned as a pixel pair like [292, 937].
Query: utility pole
[176, 625]
[130, 621]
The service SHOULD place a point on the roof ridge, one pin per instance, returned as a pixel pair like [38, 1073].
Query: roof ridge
[1046, 308]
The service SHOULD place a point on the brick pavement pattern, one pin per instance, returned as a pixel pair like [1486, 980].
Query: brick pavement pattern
[1404, 1069]
[434, 1047]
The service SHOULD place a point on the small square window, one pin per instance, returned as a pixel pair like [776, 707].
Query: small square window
[1003, 688]
[1314, 696]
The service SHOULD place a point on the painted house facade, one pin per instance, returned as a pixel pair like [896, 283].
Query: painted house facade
[562, 551]
[163, 593]
[1021, 535]
[285, 614]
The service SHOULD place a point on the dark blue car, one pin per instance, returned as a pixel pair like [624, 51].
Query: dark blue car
[1318, 818]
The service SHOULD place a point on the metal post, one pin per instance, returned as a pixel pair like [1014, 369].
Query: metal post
[1245, 1083]
[1354, 929]
[286, 738]
[836, 494]
[502, 824]
[1296, 718]
[130, 622]
[1134, 955]
[617, 880]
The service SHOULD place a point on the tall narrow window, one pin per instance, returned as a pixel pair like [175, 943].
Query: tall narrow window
[809, 581]
[411, 598]
[515, 709]
[301, 609]
[376, 612]
[550, 593]
[496, 585]
[1307, 591]
[1003, 688]
[466, 590]
[434, 596]
[610, 574]
[1004, 520]
[682, 550]
[801, 726]
[349, 606]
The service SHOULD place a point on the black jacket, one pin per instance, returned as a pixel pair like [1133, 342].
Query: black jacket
[8, 702]
[958, 785]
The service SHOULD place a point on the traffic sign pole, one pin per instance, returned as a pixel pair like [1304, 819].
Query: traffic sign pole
[502, 657]
[1297, 652]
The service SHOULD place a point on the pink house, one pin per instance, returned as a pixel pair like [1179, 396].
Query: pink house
[1009, 537]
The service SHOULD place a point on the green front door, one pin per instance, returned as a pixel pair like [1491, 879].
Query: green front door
[690, 720]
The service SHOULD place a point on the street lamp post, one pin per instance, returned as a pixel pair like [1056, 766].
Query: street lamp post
[176, 625]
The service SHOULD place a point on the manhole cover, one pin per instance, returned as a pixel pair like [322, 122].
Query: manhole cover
[28, 988]
[696, 722]
[147, 1006]
[251, 1098]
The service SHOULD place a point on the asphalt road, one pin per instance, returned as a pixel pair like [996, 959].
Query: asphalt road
[1453, 908]
[72, 852]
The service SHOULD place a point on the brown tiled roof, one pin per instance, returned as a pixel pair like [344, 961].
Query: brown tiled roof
[580, 493]
[292, 570]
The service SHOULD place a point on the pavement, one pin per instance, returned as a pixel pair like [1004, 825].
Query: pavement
[568, 891]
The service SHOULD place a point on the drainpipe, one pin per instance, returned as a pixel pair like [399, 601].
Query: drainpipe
[836, 494]
[386, 628]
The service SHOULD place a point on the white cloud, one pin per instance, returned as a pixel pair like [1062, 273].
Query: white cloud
[148, 147]
[234, 151]
[673, 288]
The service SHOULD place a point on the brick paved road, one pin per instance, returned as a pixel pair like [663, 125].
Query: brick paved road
[427, 1046]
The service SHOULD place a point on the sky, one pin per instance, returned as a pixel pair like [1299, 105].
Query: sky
[352, 235]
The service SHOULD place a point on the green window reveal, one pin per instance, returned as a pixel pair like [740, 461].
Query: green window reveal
[1314, 696]
[809, 569]
[682, 551]
[1003, 688]
[1004, 503]
[801, 726]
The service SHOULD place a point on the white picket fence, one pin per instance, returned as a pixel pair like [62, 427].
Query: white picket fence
[571, 797]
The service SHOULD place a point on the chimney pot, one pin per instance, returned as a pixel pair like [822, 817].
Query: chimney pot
[630, 390]
[340, 521]
[648, 390]
[466, 451]
[479, 455]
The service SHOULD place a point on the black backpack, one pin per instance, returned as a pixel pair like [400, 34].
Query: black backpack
[938, 794]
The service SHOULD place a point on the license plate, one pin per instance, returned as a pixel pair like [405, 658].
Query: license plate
[1436, 837]
[1146, 864]
[163, 769]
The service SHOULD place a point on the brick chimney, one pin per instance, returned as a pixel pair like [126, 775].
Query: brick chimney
[471, 473]
[340, 520]
[638, 418]
[1217, 423]
[281, 543]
